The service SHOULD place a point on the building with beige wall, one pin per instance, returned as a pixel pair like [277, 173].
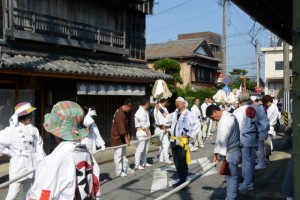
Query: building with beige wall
[274, 70]
[198, 64]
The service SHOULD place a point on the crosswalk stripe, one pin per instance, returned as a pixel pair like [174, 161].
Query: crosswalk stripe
[176, 180]
[160, 180]
[205, 163]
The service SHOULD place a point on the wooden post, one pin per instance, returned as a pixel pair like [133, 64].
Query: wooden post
[11, 14]
[98, 36]
[111, 38]
[296, 98]
[43, 100]
[33, 23]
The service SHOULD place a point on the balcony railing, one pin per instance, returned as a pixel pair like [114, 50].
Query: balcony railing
[49, 28]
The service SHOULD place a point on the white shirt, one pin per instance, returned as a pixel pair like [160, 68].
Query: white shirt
[228, 138]
[24, 156]
[187, 123]
[57, 172]
[158, 116]
[203, 109]
[141, 118]
[273, 113]
[93, 139]
[196, 111]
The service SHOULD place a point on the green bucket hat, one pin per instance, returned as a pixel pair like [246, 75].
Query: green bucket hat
[65, 121]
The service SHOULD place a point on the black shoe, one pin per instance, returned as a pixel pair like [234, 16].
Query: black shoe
[176, 184]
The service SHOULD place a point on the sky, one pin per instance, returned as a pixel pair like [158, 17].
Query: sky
[173, 17]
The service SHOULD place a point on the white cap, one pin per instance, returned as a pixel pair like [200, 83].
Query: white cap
[253, 98]
[180, 99]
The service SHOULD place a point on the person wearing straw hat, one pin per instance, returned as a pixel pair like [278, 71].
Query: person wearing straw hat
[22, 142]
[184, 125]
[70, 171]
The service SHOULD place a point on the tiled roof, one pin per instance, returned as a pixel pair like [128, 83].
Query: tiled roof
[176, 48]
[92, 67]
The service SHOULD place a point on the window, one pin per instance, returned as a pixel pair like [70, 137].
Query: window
[201, 51]
[279, 65]
[204, 75]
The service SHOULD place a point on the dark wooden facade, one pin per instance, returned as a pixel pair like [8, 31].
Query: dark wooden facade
[103, 26]
[107, 30]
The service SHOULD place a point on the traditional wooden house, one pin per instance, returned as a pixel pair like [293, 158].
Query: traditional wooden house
[91, 52]
[198, 65]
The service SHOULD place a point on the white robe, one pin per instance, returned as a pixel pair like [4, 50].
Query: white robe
[187, 124]
[24, 156]
[56, 173]
[141, 118]
[160, 119]
[196, 111]
[228, 138]
[93, 139]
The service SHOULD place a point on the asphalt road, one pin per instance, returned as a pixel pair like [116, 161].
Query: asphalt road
[156, 180]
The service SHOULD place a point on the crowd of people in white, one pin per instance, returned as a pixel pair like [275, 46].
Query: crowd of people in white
[244, 126]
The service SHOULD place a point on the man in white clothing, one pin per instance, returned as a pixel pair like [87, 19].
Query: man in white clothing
[196, 111]
[273, 114]
[227, 146]
[22, 142]
[70, 171]
[163, 132]
[184, 126]
[142, 125]
[206, 120]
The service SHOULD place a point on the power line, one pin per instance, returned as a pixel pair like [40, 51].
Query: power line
[192, 6]
[173, 7]
[188, 20]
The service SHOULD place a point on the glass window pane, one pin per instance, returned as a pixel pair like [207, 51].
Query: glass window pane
[7, 103]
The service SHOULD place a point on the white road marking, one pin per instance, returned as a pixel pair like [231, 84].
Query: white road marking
[205, 163]
[160, 180]
[176, 180]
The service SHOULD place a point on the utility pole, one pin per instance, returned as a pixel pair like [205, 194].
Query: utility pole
[224, 38]
[296, 99]
[286, 83]
[257, 64]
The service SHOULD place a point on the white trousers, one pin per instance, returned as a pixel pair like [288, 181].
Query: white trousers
[120, 159]
[141, 149]
[205, 127]
[164, 145]
[15, 187]
[198, 139]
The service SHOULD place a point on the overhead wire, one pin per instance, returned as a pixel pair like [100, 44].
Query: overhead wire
[187, 20]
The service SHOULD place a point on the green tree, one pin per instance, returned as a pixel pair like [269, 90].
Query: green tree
[238, 72]
[170, 67]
